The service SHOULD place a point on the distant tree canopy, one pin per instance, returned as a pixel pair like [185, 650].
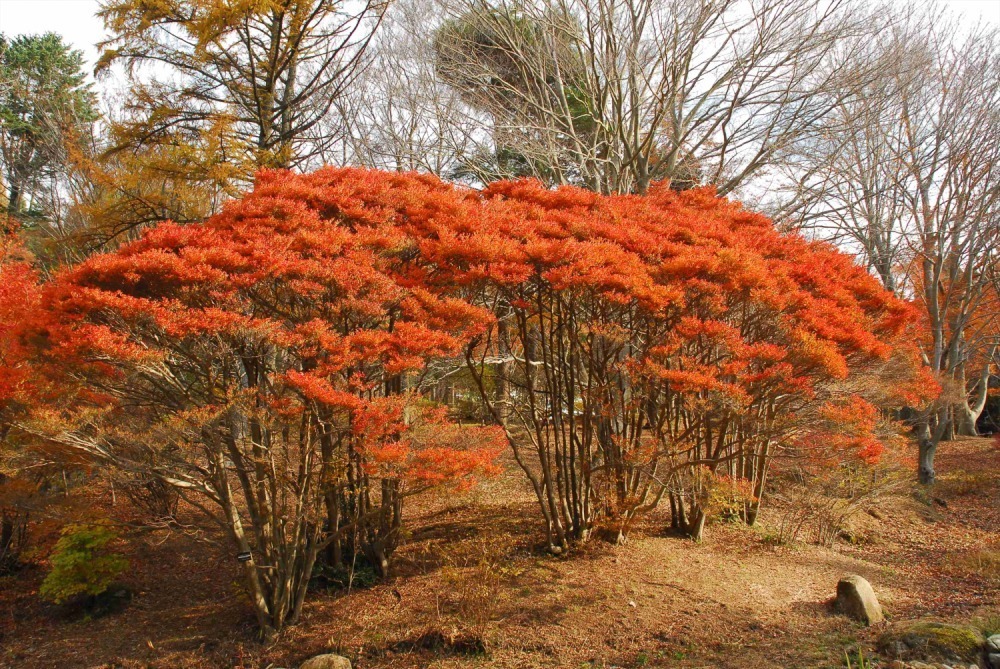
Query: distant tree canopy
[246, 83]
[613, 96]
[45, 103]
[216, 91]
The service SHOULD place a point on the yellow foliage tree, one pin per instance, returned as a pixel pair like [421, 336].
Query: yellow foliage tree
[217, 90]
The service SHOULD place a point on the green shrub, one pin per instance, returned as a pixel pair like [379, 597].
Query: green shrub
[81, 564]
[358, 576]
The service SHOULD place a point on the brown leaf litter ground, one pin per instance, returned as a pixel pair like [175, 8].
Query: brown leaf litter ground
[473, 588]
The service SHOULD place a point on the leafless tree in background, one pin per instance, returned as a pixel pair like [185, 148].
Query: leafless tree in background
[613, 94]
[843, 183]
[908, 175]
[399, 115]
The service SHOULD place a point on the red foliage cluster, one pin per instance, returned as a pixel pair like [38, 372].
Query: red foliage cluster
[670, 343]
[19, 295]
[269, 361]
[681, 328]
[314, 278]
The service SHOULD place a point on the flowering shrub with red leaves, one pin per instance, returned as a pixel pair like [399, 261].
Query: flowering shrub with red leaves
[19, 294]
[639, 337]
[269, 362]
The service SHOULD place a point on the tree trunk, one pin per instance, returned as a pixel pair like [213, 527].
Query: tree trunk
[14, 202]
[688, 521]
[334, 552]
[503, 369]
[965, 421]
[755, 470]
[927, 448]
[948, 433]
[6, 539]
[969, 411]
[695, 526]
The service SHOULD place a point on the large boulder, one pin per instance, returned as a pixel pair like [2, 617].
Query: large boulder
[328, 661]
[993, 651]
[932, 641]
[856, 598]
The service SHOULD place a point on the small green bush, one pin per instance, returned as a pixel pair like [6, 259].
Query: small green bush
[81, 564]
[359, 576]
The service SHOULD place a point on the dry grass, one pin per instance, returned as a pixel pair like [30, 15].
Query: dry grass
[984, 563]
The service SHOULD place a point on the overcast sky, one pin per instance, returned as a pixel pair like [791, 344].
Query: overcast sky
[75, 20]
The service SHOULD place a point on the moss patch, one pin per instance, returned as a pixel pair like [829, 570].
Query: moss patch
[927, 640]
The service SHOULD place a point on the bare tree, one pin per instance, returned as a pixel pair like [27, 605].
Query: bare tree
[399, 115]
[842, 182]
[909, 176]
[614, 94]
[952, 132]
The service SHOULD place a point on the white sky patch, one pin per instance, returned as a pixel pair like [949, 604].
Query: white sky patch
[974, 11]
[77, 22]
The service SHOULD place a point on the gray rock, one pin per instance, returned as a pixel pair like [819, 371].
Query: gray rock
[856, 598]
[328, 661]
[994, 660]
[993, 644]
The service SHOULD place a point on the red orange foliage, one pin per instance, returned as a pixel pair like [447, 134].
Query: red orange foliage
[268, 360]
[658, 333]
[19, 294]
[630, 347]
